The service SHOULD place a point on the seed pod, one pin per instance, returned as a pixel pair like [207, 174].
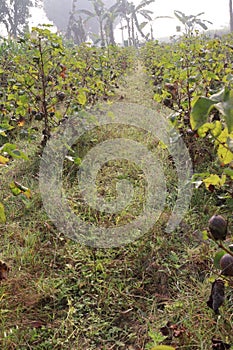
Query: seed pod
[218, 227]
[226, 263]
[217, 295]
[61, 95]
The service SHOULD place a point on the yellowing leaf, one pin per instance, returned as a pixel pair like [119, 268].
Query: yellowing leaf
[222, 138]
[28, 193]
[4, 160]
[224, 154]
[216, 131]
[82, 99]
[17, 188]
[214, 180]
[202, 131]
[2, 214]
[14, 189]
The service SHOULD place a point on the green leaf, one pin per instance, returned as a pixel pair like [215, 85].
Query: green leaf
[77, 160]
[5, 127]
[13, 151]
[224, 99]
[228, 109]
[2, 214]
[219, 96]
[229, 172]
[205, 235]
[217, 258]
[200, 112]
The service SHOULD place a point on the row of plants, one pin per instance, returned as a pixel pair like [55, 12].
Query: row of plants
[43, 81]
[193, 78]
[41, 78]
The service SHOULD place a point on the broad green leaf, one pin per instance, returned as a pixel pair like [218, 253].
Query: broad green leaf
[224, 99]
[200, 112]
[2, 214]
[229, 172]
[219, 96]
[5, 127]
[228, 109]
[212, 75]
[12, 150]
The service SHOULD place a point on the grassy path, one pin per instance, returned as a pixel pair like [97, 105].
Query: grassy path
[136, 88]
[60, 295]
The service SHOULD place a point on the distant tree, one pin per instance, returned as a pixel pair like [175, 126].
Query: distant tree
[140, 10]
[191, 21]
[130, 13]
[14, 14]
[124, 9]
[59, 11]
[76, 30]
[231, 15]
[110, 18]
[98, 12]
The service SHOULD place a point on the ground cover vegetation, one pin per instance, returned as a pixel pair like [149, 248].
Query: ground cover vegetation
[165, 290]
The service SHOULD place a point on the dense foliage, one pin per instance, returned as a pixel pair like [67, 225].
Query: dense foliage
[193, 77]
[43, 80]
